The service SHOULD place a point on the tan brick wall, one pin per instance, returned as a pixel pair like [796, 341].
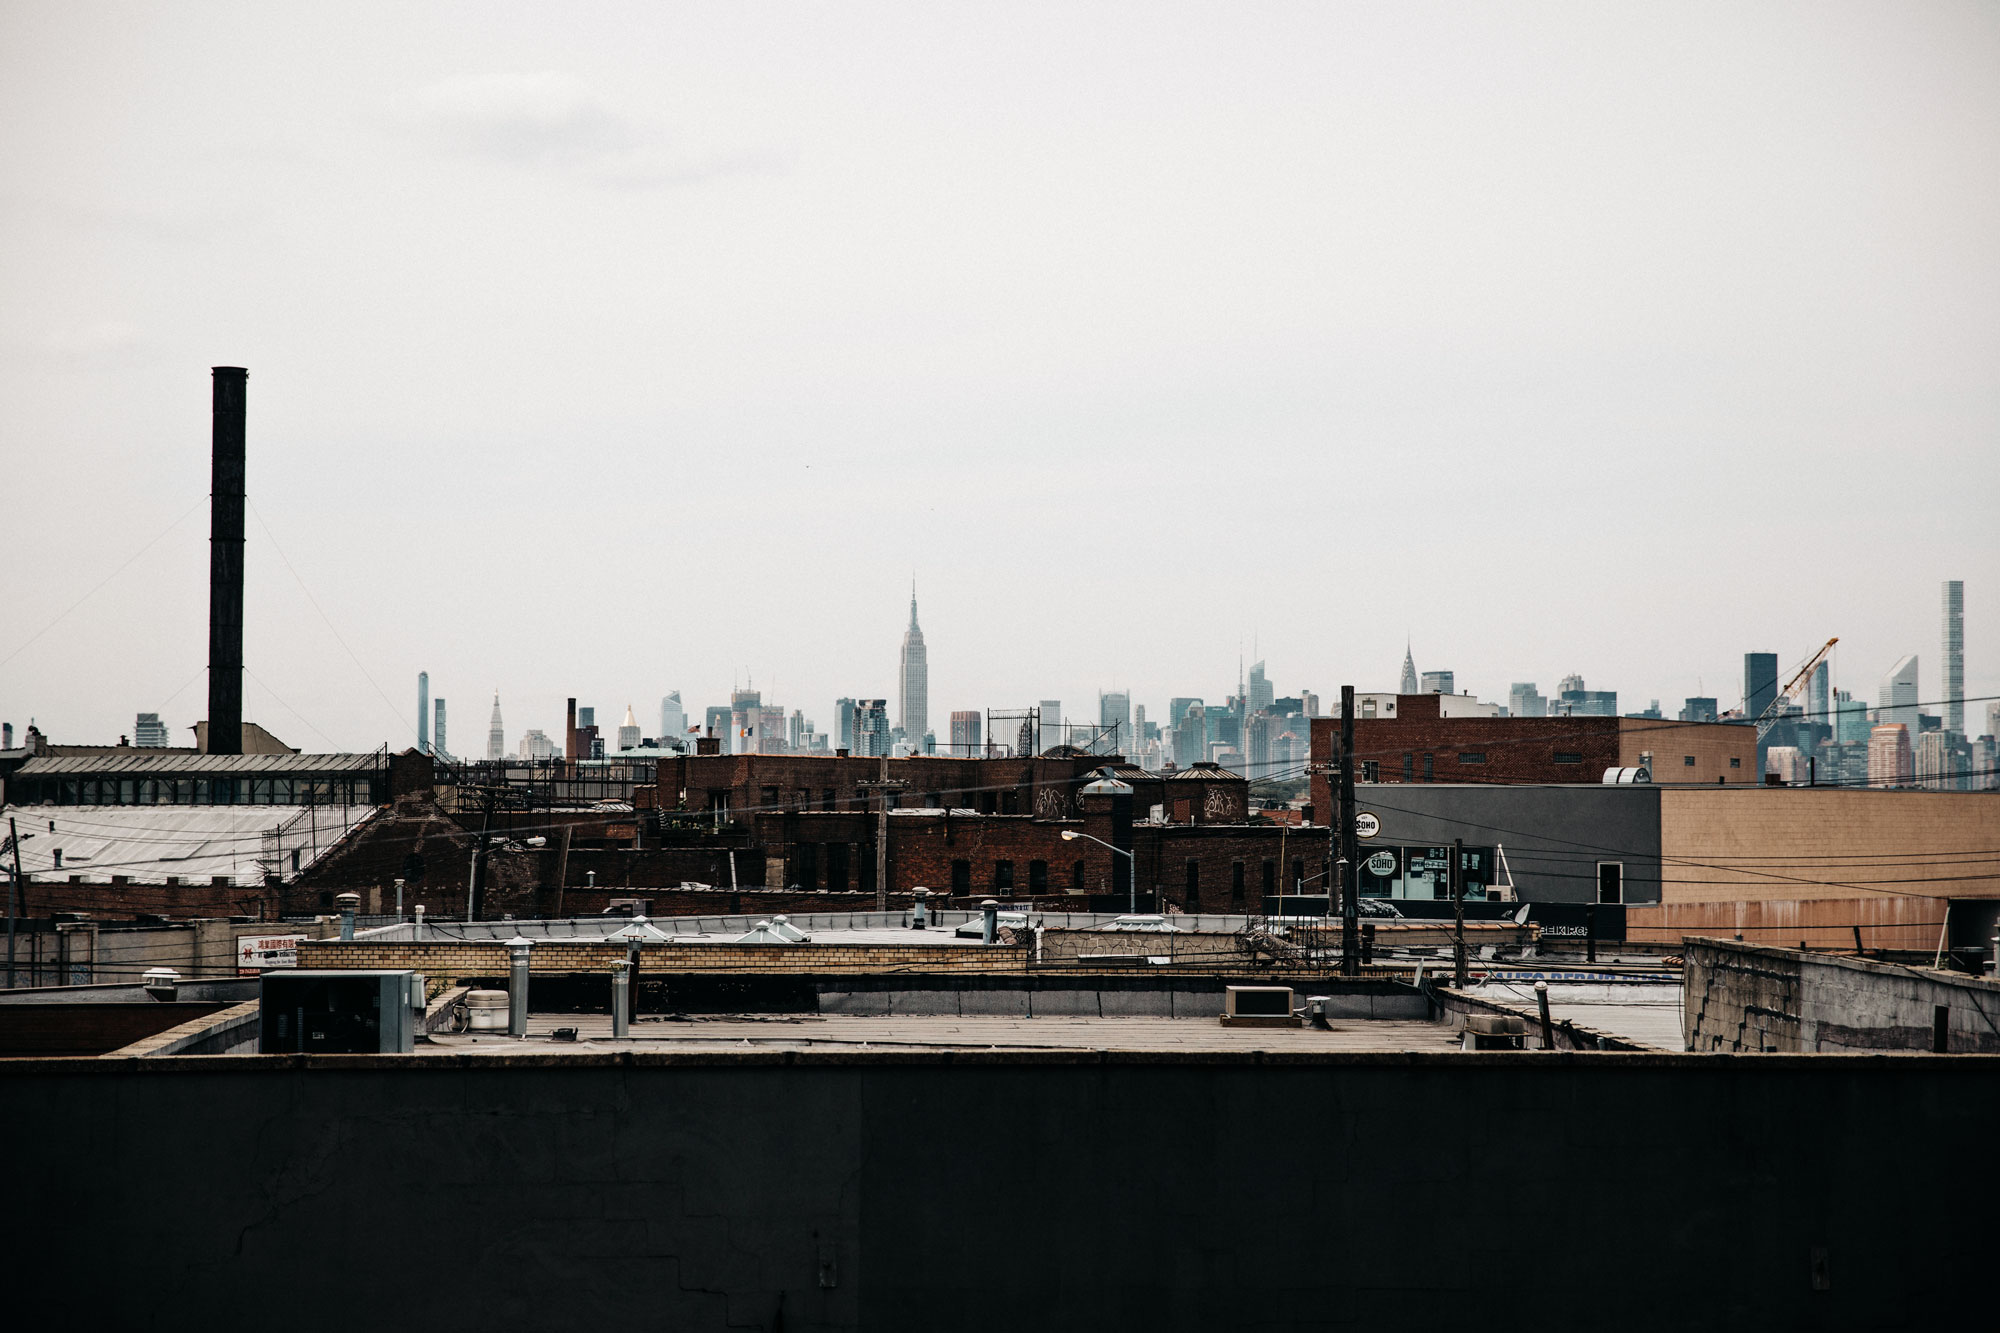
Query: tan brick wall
[451, 958]
[1883, 922]
[1712, 745]
[1767, 843]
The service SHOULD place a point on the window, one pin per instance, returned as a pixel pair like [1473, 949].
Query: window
[961, 878]
[1076, 877]
[1409, 768]
[1003, 874]
[1270, 877]
[1298, 874]
[1430, 767]
[1194, 883]
[1611, 881]
[1236, 883]
[805, 863]
[1472, 756]
[1569, 757]
[767, 798]
[1736, 763]
[1038, 877]
[826, 799]
[1371, 770]
[1687, 761]
[836, 867]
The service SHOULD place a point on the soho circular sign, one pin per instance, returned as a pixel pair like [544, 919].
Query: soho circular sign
[1382, 864]
[1366, 825]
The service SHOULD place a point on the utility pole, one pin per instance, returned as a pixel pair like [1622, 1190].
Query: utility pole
[1457, 882]
[1350, 910]
[14, 897]
[476, 881]
[883, 786]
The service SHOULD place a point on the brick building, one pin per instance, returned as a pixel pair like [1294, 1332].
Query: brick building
[1418, 745]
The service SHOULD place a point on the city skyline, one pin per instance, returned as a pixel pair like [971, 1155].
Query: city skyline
[1770, 263]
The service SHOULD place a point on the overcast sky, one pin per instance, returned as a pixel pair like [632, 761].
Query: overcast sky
[606, 350]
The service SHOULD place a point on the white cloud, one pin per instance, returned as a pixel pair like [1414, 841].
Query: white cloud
[550, 120]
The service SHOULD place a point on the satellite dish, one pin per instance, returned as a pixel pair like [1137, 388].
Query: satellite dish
[1521, 917]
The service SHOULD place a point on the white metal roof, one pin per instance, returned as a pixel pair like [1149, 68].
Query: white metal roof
[140, 761]
[149, 843]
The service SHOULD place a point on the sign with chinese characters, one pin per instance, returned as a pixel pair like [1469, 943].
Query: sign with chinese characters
[254, 953]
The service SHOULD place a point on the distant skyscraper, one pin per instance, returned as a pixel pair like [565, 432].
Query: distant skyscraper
[1897, 701]
[1849, 720]
[673, 718]
[1699, 708]
[871, 727]
[843, 725]
[437, 728]
[965, 732]
[715, 721]
[1819, 699]
[1437, 682]
[1954, 655]
[537, 745]
[1409, 683]
[628, 730]
[1524, 700]
[1260, 690]
[914, 680]
[1190, 741]
[1138, 725]
[586, 717]
[423, 712]
[150, 731]
[1992, 720]
[1178, 709]
[1573, 700]
[1936, 762]
[1114, 714]
[1890, 762]
[496, 734]
[1052, 732]
[1760, 683]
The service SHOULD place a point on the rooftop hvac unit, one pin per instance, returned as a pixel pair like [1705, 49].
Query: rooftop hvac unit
[324, 1011]
[1258, 1006]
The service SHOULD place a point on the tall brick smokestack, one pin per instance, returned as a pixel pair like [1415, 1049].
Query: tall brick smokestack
[225, 563]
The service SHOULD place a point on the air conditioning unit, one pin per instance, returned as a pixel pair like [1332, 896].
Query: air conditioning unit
[1495, 1032]
[327, 1011]
[1258, 1007]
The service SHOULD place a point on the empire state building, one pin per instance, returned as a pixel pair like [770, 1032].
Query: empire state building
[914, 682]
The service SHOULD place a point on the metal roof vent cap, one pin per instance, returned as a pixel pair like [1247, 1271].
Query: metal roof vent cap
[1106, 783]
[783, 926]
[162, 983]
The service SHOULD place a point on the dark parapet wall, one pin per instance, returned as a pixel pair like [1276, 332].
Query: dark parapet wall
[994, 1190]
[225, 562]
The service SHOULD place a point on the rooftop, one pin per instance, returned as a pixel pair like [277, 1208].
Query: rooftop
[145, 844]
[736, 1033]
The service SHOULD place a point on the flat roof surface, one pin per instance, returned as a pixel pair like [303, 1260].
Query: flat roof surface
[796, 1032]
[1637, 1010]
[148, 843]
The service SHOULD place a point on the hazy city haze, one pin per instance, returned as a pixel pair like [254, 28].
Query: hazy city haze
[612, 350]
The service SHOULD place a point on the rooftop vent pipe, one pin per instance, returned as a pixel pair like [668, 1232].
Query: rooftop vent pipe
[225, 562]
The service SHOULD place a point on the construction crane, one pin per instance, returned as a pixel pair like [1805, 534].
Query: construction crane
[1769, 717]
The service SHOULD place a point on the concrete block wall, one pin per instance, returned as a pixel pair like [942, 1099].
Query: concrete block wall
[1744, 997]
[983, 1191]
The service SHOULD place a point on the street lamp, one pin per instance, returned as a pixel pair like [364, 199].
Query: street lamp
[1132, 883]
